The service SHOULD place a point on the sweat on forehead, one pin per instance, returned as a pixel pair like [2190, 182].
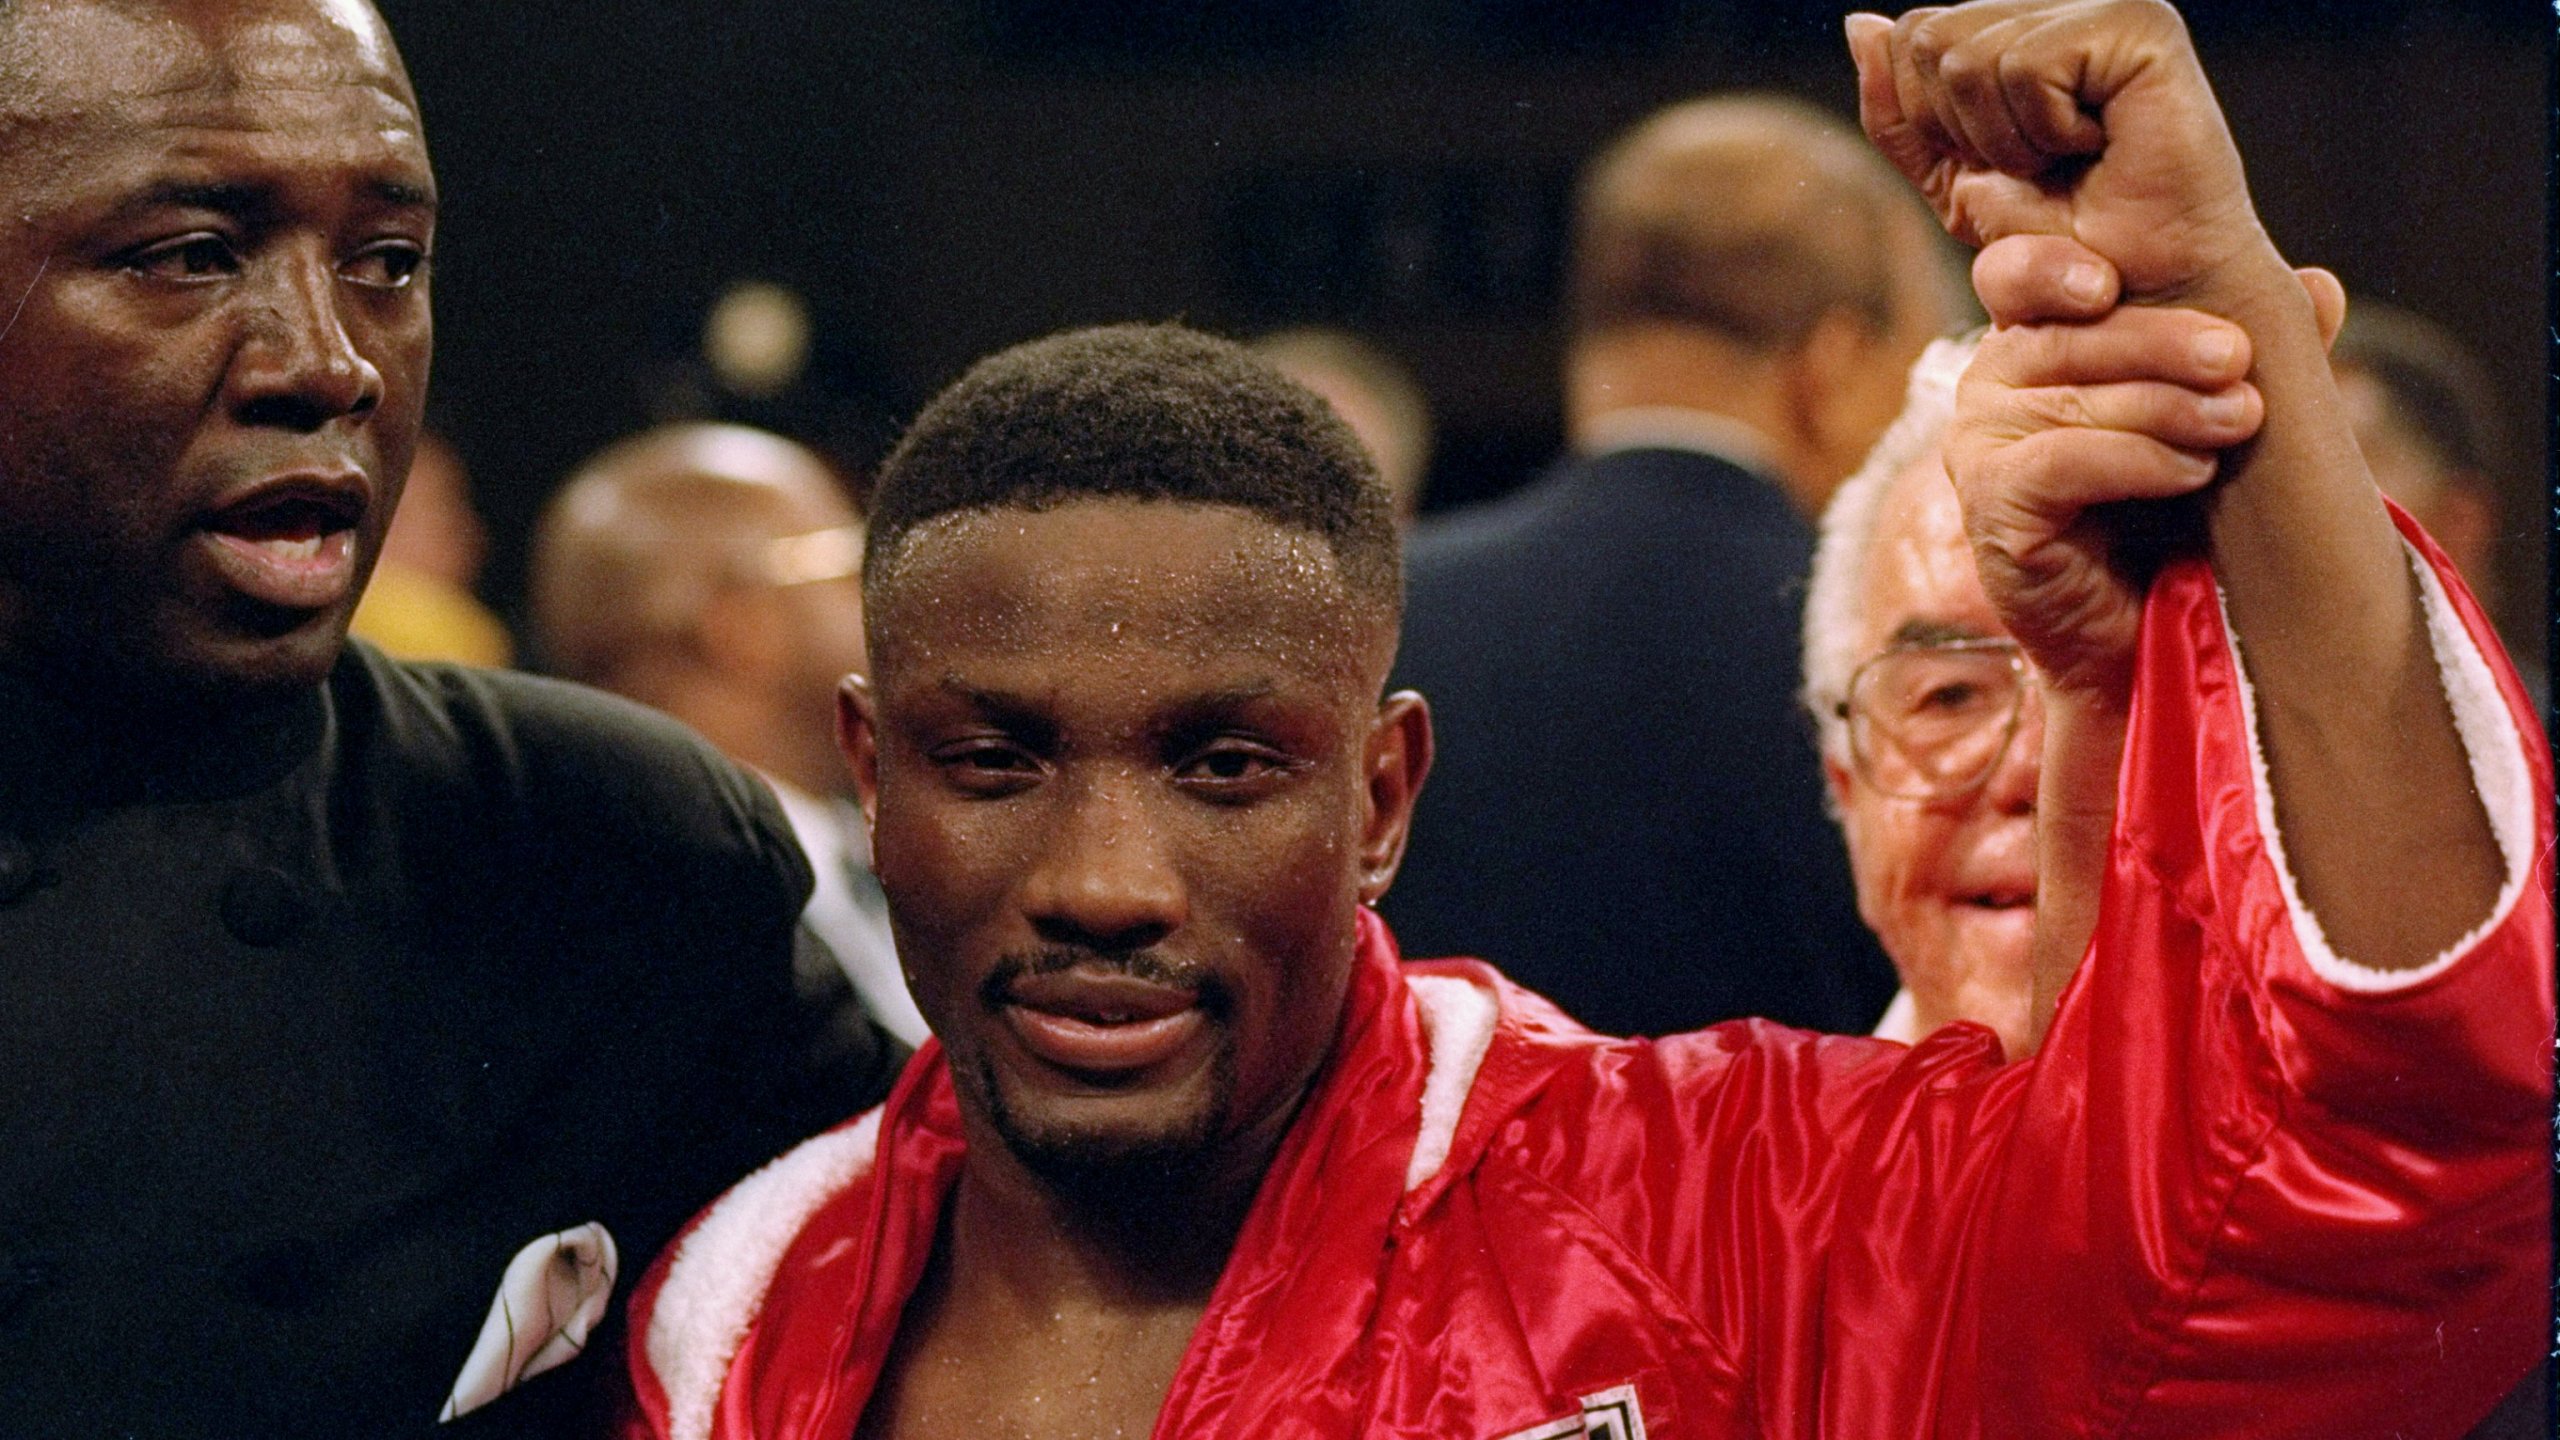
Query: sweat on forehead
[1141, 412]
[1194, 581]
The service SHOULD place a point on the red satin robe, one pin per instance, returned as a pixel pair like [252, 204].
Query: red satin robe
[2241, 1191]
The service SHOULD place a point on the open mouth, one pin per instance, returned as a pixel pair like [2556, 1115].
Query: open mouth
[2002, 900]
[292, 546]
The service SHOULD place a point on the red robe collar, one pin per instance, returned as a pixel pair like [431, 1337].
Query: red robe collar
[1297, 1294]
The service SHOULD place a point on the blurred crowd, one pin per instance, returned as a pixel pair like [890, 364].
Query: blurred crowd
[1618, 652]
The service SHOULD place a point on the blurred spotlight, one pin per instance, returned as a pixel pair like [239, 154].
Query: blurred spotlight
[756, 338]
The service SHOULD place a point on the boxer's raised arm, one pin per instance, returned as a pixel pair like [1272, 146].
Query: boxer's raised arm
[2091, 119]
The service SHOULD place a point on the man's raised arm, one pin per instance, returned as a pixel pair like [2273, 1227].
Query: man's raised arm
[2091, 120]
[2274, 1171]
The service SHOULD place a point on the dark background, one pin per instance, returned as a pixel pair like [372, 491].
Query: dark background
[943, 177]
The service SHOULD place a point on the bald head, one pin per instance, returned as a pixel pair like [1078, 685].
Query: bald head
[1376, 396]
[1750, 257]
[1748, 215]
[651, 531]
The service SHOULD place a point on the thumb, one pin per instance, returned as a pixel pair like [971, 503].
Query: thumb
[2328, 301]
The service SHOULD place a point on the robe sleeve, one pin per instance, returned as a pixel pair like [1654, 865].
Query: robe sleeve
[2248, 1186]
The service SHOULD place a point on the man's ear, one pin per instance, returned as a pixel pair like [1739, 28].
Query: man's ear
[857, 735]
[1835, 782]
[1833, 379]
[1397, 758]
[1811, 371]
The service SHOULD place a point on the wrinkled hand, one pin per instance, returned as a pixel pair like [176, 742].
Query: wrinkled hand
[2055, 420]
[2072, 405]
[2087, 119]
[2089, 122]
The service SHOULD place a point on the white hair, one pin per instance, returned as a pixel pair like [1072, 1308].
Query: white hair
[1836, 595]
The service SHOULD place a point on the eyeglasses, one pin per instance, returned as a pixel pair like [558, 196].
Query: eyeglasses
[1931, 722]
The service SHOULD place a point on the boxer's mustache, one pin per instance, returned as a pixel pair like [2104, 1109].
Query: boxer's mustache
[1216, 1000]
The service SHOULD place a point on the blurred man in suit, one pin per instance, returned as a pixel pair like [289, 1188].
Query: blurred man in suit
[1374, 395]
[1611, 652]
[715, 572]
[2424, 418]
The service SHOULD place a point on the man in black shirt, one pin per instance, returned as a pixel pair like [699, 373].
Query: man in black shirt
[359, 1022]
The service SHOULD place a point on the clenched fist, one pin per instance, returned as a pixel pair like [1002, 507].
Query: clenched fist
[2089, 120]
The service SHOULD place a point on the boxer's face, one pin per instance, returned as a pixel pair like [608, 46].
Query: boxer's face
[214, 224]
[1121, 758]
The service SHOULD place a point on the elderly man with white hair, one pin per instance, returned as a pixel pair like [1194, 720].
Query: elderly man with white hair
[1932, 736]
[1929, 730]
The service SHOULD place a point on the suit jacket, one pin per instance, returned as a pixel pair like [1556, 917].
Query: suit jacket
[1625, 809]
[311, 1019]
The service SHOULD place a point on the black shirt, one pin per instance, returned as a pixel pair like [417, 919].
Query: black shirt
[311, 1018]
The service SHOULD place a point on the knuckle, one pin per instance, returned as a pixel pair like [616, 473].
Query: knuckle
[1930, 35]
[2064, 350]
[2159, 14]
[1989, 378]
[1963, 219]
[2062, 407]
[2004, 542]
[1968, 456]
[2026, 86]
[1963, 69]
